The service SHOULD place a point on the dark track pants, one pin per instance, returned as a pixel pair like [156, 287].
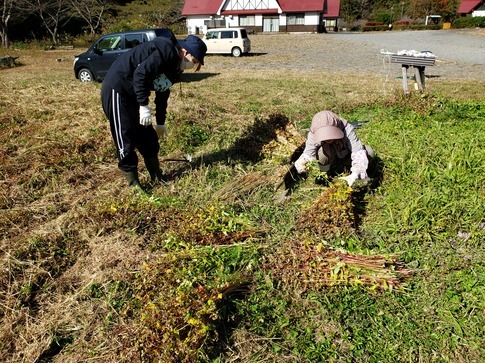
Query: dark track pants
[128, 134]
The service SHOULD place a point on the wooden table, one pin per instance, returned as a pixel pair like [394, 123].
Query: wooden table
[418, 63]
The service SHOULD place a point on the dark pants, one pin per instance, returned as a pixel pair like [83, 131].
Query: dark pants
[128, 134]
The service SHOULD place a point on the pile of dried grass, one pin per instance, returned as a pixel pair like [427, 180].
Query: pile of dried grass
[332, 213]
[243, 186]
[307, 264]
[304, 265]
[287, 145]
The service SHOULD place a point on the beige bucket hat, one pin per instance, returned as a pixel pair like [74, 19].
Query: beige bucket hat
[325, 126]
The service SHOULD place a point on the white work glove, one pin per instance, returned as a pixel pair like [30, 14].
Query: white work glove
[162, 132]
[350, 179]
[300, 165]
[360, 162]
[145, 116]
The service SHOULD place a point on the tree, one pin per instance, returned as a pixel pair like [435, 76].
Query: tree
[53, 13]
[152, 12]
[11, 12]
[91, 11]
[6, 14]
[446, 8]
[351, 10]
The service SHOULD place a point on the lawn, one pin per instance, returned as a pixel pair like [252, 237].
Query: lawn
[218, 266]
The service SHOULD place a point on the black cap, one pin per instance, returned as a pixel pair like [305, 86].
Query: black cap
[195, 46]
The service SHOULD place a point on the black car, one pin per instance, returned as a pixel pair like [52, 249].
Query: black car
[96, 61]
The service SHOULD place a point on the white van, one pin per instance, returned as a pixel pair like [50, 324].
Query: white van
[233, 41]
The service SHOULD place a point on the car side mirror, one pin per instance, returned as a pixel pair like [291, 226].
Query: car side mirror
[97, 51]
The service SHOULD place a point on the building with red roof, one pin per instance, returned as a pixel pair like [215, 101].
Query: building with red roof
[262, 16]
[474, 7]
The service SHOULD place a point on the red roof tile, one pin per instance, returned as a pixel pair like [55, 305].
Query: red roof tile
[467, 6]
[201, 7]
[209, 7]
[299, 5]
[333, 8]
[250, 12]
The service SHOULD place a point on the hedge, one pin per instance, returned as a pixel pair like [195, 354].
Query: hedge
[469, 22]
[375, 28]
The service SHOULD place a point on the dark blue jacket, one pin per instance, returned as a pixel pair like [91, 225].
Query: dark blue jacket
[133, 73]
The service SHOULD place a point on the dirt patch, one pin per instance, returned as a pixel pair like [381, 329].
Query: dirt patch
[458, 52]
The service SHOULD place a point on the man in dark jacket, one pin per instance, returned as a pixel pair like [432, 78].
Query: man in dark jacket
[154, 65]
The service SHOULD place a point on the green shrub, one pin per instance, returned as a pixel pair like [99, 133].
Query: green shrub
[425, 27]
[469, 22]
[125, 26]
[377, 28]
[383, 18]
[374, 23]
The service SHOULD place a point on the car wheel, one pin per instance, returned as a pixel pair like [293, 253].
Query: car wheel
[236, 51]
[85, 75]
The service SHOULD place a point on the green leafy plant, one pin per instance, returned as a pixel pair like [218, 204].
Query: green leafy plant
[213, 267]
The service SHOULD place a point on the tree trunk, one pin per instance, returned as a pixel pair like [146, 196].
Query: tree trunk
[4, 36]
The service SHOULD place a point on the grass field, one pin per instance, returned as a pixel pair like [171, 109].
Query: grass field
[215, 267]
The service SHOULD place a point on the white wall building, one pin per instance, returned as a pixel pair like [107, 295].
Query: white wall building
[267, 16]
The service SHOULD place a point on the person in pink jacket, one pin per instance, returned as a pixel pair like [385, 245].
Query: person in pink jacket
[332, 141]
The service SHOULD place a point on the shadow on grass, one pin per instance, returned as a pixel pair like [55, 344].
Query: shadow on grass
[244, 55]
[375, 173]
[229, 321]
[196, 77]
[254, 54]
[247, 148]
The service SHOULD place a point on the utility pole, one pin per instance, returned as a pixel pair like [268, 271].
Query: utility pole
[402, 10]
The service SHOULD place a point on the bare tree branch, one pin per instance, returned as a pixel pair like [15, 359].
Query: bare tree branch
[53, 13]
[10, 12]
[91, 11]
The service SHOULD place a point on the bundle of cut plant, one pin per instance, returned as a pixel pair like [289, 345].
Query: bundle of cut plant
[287, 145]
[307, 265]
[254, 140]
[332, 214]
[242, 186]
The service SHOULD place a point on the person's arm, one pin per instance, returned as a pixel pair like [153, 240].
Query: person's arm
[358, 155]
[156, 61]
[143, 78]
[308, 154]
[161, 104]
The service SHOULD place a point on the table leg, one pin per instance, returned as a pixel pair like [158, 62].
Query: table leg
[419, 74]
[405, 78]
[423, 78]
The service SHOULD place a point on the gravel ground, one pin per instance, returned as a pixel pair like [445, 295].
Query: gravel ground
[460, 54]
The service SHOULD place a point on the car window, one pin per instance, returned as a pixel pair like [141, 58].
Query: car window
[132, 40]
[228, 34]
[212, 35]
[110, 43]
[244, 33]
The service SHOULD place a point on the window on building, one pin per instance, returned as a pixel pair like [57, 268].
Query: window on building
[247, 20]
[295, 19]
[215, 23]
